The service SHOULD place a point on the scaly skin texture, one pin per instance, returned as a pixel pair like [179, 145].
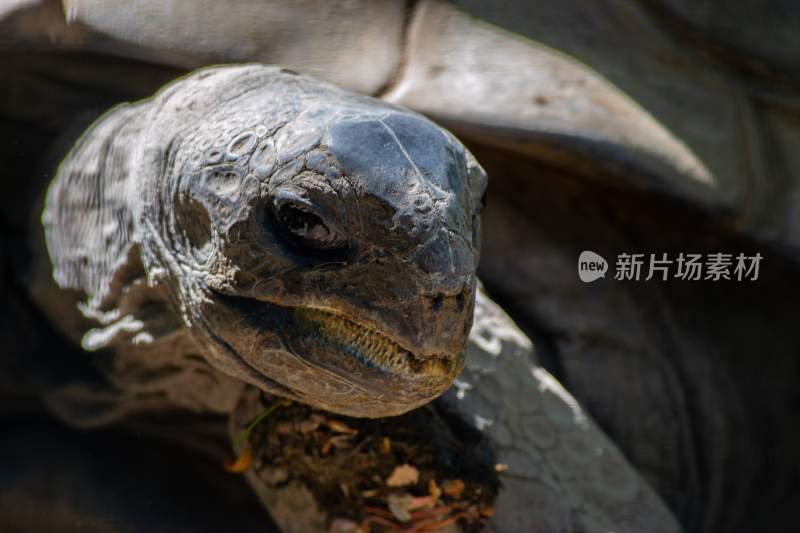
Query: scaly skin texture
[317, 244]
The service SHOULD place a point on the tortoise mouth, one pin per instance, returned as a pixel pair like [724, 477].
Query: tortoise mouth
[369, 347]
[328, 339]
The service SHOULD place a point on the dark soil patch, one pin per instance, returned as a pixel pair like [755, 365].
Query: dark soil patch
[418, 472]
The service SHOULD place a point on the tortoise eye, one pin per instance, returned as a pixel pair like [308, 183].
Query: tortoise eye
[303, 227]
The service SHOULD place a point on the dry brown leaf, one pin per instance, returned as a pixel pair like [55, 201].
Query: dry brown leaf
[284, 428]
[307, 426]
[403, 475]
[340, 427]
[453, 488]
[500, 467]
[326, 447]
[433, 489]
[242, 463]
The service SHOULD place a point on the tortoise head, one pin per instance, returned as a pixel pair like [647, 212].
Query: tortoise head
[322, 245]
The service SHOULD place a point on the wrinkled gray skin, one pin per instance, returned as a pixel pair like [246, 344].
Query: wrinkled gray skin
[316, 244]
[696, 383]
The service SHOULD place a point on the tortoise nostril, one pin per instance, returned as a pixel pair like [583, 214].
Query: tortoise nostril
[452, 301]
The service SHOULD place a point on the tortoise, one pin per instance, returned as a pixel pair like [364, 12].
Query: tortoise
[574, 163]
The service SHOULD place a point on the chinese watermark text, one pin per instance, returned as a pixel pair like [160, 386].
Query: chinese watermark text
[685, 266]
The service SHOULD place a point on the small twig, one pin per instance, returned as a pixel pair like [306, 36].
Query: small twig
[431, 513]
[438, 525]
[382, 521]
[244, 434]
[376, 511]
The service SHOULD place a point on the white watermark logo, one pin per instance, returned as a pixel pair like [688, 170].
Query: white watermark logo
[591, 266]
[686, 266]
